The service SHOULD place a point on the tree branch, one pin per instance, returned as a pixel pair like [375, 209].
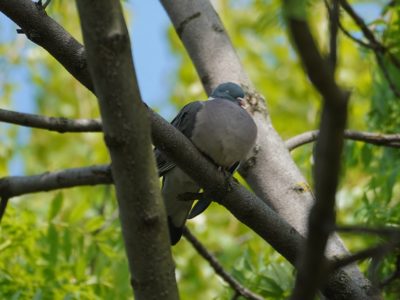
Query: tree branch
[388, 232]
[126, 128]
[395, 275]
[376, 251]
[378, 48]
[333, 12]
[312, 269]
[218, 268]
[60, 125]
[3, 206]
[379, 139]
[13, 186]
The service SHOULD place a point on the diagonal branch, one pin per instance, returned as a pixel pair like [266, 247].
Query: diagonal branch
[376, 251]
[378, 48]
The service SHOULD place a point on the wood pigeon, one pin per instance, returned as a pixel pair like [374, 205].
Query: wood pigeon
[223, 131]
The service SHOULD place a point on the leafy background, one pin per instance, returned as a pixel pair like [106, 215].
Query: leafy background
[67, 244]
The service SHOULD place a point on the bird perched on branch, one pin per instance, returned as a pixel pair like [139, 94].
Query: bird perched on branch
[223, 131]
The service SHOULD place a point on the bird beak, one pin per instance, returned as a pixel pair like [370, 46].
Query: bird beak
[242, 102]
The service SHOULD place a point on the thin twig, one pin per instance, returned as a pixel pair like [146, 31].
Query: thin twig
[333, 30]
[344, 30]
[378, 48]
[379, 250]
[381, 64]
[388, 140]
[395, 275]
[233, 283]
[349, 35]
[360, 23]
[389, 232]
[46, 4]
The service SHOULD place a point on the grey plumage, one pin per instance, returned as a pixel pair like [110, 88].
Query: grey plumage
[222, 130]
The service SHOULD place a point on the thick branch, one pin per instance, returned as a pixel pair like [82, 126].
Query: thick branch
[218, 268]
[126, 128]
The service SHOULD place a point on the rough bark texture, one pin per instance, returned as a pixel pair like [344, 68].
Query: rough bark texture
[126, 129]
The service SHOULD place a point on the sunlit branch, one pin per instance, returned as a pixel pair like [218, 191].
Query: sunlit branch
[388, 140]
[218, 268]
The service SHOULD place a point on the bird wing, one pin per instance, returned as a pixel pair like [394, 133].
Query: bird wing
[184, 122]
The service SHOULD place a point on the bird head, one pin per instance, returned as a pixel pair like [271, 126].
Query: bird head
[230, 91]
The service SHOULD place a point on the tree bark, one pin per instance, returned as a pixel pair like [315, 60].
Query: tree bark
[126, 128]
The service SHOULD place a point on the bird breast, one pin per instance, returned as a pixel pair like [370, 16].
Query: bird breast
[224, 131]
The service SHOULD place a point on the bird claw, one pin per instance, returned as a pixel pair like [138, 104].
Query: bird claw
[43, 5]
[189, 196]
[202, 204]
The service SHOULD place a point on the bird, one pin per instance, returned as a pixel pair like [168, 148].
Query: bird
[223, 131]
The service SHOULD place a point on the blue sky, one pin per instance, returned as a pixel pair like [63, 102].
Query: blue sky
[153, 61]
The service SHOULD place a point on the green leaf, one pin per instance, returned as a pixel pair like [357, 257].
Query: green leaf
[56, 205]
[52, 238]
[94, 223]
